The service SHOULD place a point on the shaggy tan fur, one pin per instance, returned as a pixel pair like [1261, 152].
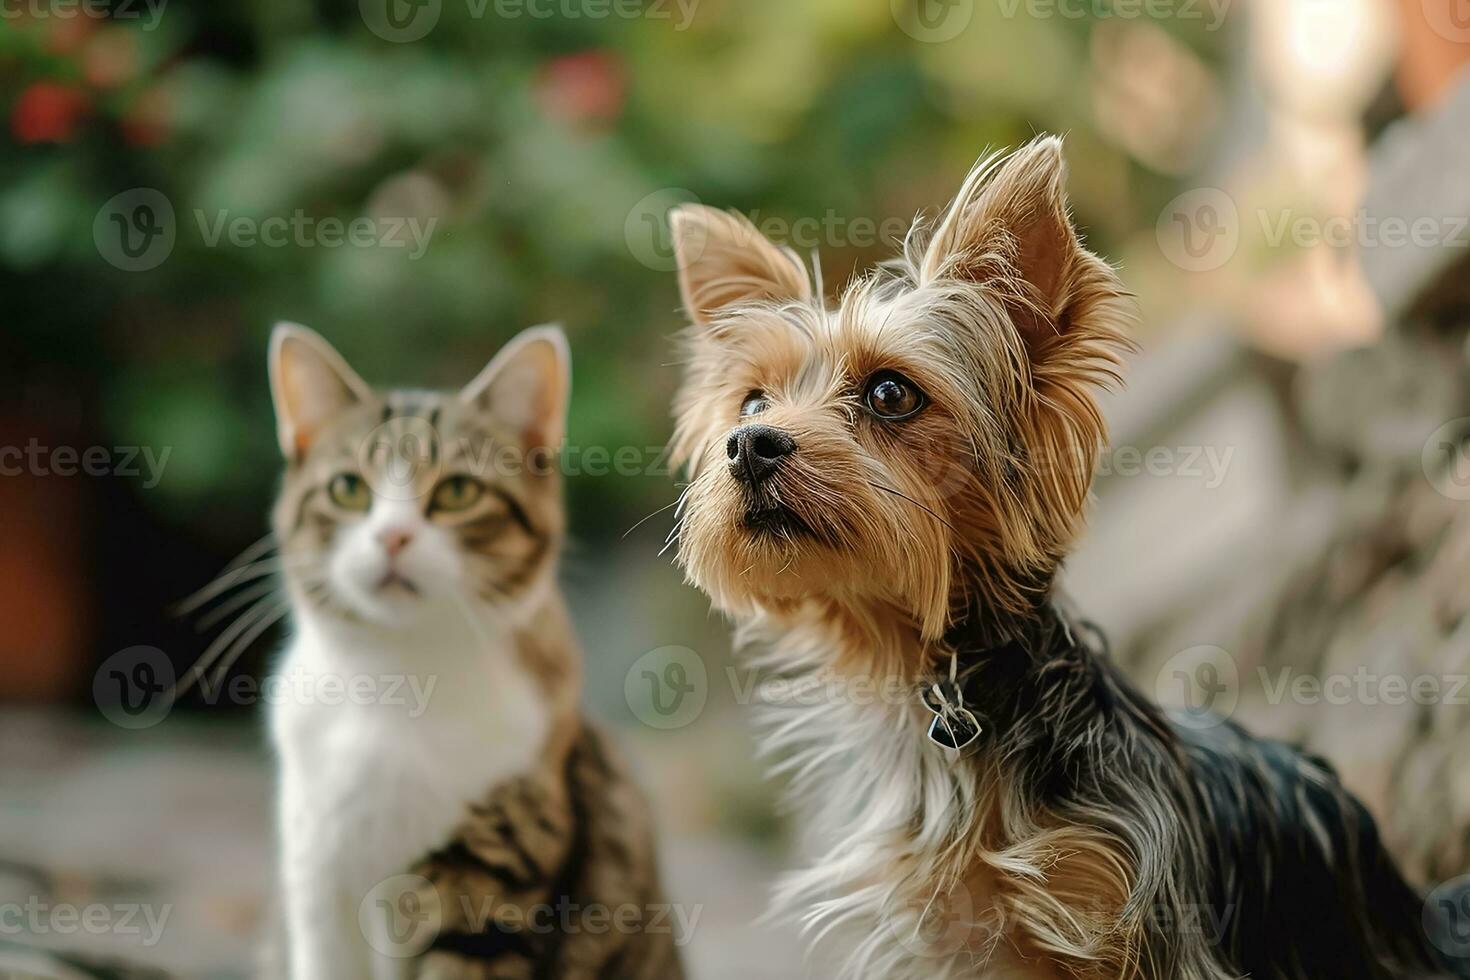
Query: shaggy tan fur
[1002, 317]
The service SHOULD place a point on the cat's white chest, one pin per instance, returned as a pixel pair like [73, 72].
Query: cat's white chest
[377, 771]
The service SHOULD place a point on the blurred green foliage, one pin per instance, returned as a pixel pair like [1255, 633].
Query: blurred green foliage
[531, 140]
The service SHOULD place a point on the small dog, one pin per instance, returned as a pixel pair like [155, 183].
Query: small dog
[881, 493]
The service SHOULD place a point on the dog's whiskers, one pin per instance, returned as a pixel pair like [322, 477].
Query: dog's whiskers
[897, 493]
[650, 517]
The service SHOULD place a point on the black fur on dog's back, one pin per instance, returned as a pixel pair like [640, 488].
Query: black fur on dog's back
[1274, 870]
[1297, 862]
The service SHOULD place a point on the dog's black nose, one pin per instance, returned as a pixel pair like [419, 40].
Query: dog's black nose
[756, 451]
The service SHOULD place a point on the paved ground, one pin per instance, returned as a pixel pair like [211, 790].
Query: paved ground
[157, 841]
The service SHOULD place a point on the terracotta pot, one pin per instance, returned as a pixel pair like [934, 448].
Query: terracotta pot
[44, 604]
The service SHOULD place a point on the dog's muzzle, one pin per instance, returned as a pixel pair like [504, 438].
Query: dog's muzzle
[756, 453]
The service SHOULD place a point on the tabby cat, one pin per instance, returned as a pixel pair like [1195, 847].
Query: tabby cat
[444, 810]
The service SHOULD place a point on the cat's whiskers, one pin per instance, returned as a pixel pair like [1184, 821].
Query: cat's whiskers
[241, 575]
[260, 606]
[263, 622]
[245, 597]
[225, 640]
[252, 551]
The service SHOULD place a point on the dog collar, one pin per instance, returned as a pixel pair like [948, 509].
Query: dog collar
[954, 727]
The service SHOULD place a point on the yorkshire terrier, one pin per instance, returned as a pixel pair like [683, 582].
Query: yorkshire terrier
[881, 493]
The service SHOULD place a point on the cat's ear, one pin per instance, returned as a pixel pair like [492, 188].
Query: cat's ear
[311, 385]
[527, 385]
[1008, 228]
[725, 260]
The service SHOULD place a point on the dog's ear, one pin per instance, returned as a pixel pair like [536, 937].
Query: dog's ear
[724, 260]
[1008, 230]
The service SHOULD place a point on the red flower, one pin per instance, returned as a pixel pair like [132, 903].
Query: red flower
[48, 112]
[586, 87]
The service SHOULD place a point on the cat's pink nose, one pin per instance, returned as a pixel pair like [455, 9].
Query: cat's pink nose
[394, 540]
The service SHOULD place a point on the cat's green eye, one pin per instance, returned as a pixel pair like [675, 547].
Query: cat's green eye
[457, 493]
[350, 492]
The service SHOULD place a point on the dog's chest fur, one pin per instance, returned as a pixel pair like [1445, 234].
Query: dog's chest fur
[878, 807]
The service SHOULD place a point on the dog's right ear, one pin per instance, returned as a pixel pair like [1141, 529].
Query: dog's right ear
[724, 261]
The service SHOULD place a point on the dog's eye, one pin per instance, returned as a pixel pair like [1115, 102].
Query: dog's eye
[754, 404]
[891, 396]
